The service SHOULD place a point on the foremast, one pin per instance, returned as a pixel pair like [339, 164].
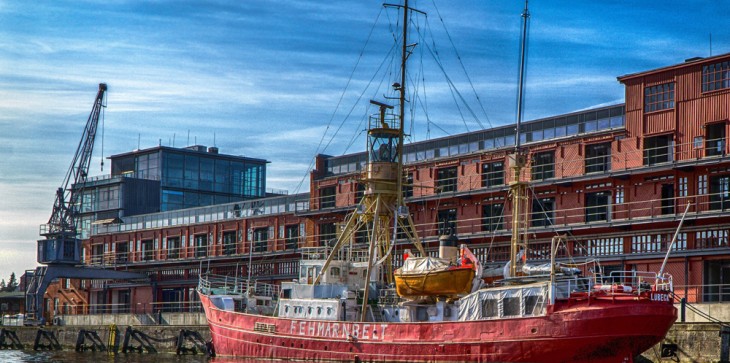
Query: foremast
[518, 160]
[382, 211]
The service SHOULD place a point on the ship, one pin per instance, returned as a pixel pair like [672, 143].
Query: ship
[349, 303]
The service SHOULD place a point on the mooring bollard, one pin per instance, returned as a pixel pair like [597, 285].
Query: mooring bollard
[9, 335]
[48, 336]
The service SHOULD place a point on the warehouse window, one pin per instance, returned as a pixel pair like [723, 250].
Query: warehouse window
[327, 197]
[658, 149]
[543, 212]
[446, 180]
[492, 216]
[715, 141]
[446, 219]
[260, 239]
[327, 234]
[659, 97]
[492, 174]
[720, 192]
[716, 76]
[597, 206]
[543, 165]
[598, 157]
[229, 242]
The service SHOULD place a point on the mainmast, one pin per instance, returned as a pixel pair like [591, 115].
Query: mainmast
[402, 102]
[381, 211]
[517, 160]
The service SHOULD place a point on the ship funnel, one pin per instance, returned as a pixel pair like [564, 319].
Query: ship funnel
[448, 246]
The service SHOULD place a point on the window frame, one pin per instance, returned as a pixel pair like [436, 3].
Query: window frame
[543, 165]
[492, 174]
[446, 179]
[598, 157]
[659, 97]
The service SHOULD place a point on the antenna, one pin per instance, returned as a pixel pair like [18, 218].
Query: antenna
[139, 138]
[710, 44]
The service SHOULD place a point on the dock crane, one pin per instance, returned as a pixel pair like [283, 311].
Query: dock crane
[60, 249]
[61, 244]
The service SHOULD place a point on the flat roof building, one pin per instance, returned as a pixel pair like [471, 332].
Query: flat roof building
[162, 178]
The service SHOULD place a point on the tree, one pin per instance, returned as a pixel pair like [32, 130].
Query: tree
[12, 283]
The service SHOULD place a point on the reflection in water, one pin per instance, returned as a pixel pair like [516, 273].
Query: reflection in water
[18, 356]
[29, 356]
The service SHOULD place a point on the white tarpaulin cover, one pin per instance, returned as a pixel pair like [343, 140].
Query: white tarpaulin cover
[489, 303]
[421, 265]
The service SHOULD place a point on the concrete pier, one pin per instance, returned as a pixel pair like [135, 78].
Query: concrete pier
[164, 337]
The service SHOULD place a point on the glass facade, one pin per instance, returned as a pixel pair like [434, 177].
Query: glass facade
[192, 177]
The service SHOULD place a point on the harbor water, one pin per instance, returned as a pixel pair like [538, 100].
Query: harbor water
[28, 356]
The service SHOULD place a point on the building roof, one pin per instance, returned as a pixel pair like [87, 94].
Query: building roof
[4, 295]
[195, 149]
[688, 62]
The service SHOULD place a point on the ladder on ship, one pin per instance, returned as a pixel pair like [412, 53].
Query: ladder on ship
[375, 313]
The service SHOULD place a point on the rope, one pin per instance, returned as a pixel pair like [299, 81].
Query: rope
[339, 102]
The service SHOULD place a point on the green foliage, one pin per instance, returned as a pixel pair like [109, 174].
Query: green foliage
[11, 285]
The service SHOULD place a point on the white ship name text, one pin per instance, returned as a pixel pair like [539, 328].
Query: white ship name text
[328, 329]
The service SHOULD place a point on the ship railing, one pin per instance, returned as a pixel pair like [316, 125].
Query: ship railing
[315, 253]
[391, 121]
[564, 287]
[637, 280]
[262, 289]
[355, 254]
[228, 285]
[222, 285]
[388, 297]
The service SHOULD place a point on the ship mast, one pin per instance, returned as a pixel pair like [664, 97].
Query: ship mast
[381, 210]
[517, 160]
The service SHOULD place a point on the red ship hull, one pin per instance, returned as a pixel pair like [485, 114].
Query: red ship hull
[577, 330]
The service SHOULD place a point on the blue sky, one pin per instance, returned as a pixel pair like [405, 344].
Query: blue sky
[266, 78]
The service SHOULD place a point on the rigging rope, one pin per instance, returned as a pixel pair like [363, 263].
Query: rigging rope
[339, 102]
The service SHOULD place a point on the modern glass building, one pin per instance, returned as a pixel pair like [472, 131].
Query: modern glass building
[194, 176]
[162, 178]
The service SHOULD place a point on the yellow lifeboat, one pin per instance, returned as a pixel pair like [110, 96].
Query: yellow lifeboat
[431, 276]
[428, 276]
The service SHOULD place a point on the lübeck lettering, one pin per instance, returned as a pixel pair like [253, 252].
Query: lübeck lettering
[328, 329]
[659, 297]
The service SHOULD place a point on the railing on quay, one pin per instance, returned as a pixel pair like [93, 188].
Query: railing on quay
[130, 308]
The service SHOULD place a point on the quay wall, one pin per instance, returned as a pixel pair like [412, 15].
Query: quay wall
[67, 336]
